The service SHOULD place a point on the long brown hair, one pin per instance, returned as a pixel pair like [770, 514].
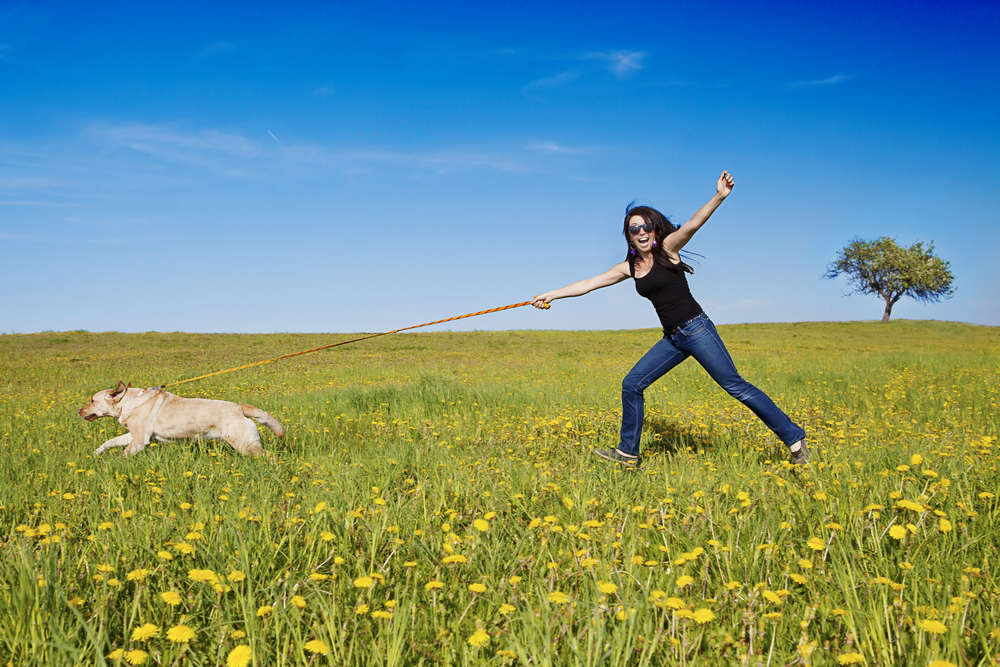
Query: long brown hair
[662, 227]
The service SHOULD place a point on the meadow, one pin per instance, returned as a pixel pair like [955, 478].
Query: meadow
[434, 502]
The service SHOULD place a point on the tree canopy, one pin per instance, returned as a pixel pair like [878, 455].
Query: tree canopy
[881, 267]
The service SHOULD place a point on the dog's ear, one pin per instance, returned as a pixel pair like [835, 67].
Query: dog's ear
[119, 392]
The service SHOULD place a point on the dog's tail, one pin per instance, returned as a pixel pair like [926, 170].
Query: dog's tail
[264, 418]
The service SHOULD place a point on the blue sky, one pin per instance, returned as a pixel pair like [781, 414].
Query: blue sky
[367, 166]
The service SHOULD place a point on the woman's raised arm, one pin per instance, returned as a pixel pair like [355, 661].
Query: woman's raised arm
[612, 276]
[678, 239]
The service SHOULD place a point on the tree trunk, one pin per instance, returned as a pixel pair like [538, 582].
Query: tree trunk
[888, 310]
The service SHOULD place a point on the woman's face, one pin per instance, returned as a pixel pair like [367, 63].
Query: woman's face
[644, 237]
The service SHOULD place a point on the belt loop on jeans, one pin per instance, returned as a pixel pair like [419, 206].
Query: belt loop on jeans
[671, 332]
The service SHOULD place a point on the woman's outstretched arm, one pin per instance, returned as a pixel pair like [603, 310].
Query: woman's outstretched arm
[612, 276]
[678, 239]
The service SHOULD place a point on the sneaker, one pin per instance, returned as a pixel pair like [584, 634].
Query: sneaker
[617, 457]
[801, 457]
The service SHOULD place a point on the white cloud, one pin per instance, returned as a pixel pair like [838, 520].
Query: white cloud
[832, 81]
[552, 147]
[56, 240]
[619, 62]
[554, 81]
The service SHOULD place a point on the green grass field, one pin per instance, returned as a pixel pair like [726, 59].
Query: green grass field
[434, 502]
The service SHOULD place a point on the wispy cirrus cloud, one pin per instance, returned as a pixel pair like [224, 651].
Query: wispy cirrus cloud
[832, 81]
[36, 203]
[553, 147]
[554, 81]
[619, 62]
[57, 239]
[236, 155]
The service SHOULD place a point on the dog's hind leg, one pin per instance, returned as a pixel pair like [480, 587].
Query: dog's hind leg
[245, 440]
[120, 441]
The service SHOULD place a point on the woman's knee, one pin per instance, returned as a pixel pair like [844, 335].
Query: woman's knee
[632, 385]
[741, 390]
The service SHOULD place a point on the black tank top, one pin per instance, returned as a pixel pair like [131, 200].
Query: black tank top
[668, 290]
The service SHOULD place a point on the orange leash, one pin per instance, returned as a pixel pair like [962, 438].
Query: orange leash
[347, 342]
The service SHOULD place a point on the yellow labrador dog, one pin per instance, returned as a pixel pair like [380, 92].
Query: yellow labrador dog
[154, 413]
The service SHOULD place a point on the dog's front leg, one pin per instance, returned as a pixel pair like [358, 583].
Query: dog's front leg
[120, 441]
[139, 442]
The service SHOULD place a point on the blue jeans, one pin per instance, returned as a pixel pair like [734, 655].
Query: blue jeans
[696, 338]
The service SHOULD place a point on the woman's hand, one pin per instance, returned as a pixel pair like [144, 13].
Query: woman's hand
[542, 300]
[725, 185]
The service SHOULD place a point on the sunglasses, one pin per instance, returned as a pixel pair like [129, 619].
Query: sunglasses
[645, 227]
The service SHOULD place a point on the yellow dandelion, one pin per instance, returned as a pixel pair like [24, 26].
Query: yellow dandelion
[732, 585]
[316, 647]
[326, 536]
[897, 532]
[298, 601]
[771, 596]
[433, 585]
[514, 581]
[703, 615]
[805, 564]
[797, 578]
[236, 575]
[933, 627]
[607, 587]
[136, 657]
[116, 654]
[684, 581]
[264, 610]
[944, 525]
[364, 582]
[482, 525]
[361, 609]
[506, 608]
[455, 558]
[816, 544]
[850, 658]
[180, 634]
[941, 663]
[382, 614]
[165, 555]
[171, 598]
[239, 656]
[479, 638]
[184, 548]
[558, 597]
[137, 575]
[144, 632]
[477, 588]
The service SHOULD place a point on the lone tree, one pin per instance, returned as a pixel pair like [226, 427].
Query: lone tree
[884, 268]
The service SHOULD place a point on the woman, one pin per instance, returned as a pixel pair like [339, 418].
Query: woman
[654, 262]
